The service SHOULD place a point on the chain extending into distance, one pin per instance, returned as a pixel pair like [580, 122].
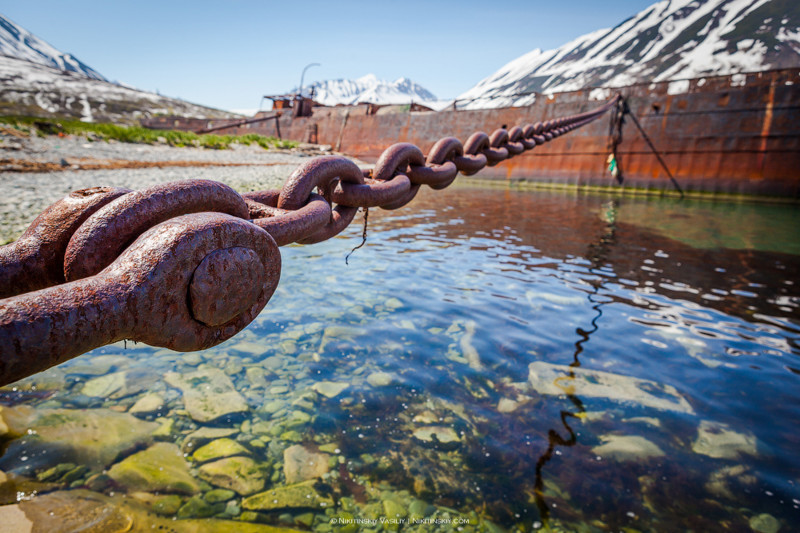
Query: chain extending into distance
[188, 264]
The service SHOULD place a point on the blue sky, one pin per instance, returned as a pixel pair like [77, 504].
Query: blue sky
[229, 54]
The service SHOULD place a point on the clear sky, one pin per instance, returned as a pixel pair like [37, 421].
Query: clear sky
[228, 54]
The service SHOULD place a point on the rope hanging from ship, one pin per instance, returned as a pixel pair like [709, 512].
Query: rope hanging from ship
[187, 265]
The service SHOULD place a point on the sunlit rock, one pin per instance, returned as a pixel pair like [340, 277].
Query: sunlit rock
[722, 482]
[217, 449]
[468, 351]
[299, 496]
[557, 380]
[437, 436]
[719, 441]
[239, 474]
[149, 403]
[94, 437]
[507, 405]
[198, 438]
[160, 468]
[208, 394]
[627, 448]
[765, 523]
[329, 389]
[380, 379]
[300, 464]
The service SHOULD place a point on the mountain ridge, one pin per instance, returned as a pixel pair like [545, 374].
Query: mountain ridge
[667, 41]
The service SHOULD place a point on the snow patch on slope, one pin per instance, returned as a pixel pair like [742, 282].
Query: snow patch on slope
[668, 41]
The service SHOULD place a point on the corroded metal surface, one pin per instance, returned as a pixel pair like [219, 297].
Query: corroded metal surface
[36, 260]
[188, 264]
[724, 134]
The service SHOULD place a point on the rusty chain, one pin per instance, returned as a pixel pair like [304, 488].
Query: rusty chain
[186, 265]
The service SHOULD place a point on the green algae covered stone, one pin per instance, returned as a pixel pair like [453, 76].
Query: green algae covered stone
[159, 468]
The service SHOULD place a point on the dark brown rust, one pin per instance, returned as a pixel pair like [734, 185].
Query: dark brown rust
[110, 230]
[283, 225]
[36, 260]
[143, 295]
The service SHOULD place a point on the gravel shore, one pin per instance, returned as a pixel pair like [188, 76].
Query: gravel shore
[23, 195]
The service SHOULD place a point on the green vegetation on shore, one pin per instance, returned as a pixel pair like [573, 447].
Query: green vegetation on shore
[138, 134]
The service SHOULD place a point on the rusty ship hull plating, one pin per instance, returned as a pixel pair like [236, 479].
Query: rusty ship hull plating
[736, 134]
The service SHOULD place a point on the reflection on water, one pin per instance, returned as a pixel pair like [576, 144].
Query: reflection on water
[490, 359]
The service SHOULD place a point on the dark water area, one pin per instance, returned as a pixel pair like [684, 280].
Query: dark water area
[490, 360]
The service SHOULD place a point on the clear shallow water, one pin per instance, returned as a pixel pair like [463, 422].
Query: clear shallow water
[511, 359]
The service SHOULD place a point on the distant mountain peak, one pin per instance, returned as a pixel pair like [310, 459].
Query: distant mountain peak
[19, 43]
[368, 89]
[670, 40]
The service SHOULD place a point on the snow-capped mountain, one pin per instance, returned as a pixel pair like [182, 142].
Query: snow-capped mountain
[16, 41]
[39, 80]
[368, 89]
[670, 40]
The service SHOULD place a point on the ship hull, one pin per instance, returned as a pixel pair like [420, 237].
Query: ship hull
[719, 135]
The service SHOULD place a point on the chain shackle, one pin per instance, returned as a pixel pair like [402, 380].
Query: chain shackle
[185, 284]
[105, 234]
[36, 260]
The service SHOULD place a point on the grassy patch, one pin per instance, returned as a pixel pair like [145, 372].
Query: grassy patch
[137, 134]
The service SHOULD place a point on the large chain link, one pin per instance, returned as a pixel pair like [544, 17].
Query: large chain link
[186, 265]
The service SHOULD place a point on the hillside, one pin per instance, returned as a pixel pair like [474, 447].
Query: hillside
[670, 40]
[36, 79]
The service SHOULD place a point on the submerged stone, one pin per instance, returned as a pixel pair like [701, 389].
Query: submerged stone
[240, 474]
[330, 389]
[300, 464]
[443, 437]
[160, 468]
[92, 437]
[720, 442]
[298, 496]
[149, 403]
[380, 379]
[208, 394]
[468, 351]
[217, 449]
[765, 523]
[203, 435]
[557, 380]
[218, 495]
[197, 507]
[105, 386]
[627, 448]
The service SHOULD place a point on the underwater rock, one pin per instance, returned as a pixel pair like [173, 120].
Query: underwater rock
[159, 468]
[216, 449]
[558, 380]
[300, 464]
[720, 442]
[239, 474]
[65, 511]
[444, 438]
[256, 376]
[197, 507]
[149, 403]
[626, 448]
[507, 405]
[82, 510]
[765, 523]
[720, 481]
[196, 439]
[218, 495]
[248, 347]
[380, 379]
[298, 496]
[106, 386]
[94, 437]
[96, 366]
[467, 349]
[208, 394]
[329, 389]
